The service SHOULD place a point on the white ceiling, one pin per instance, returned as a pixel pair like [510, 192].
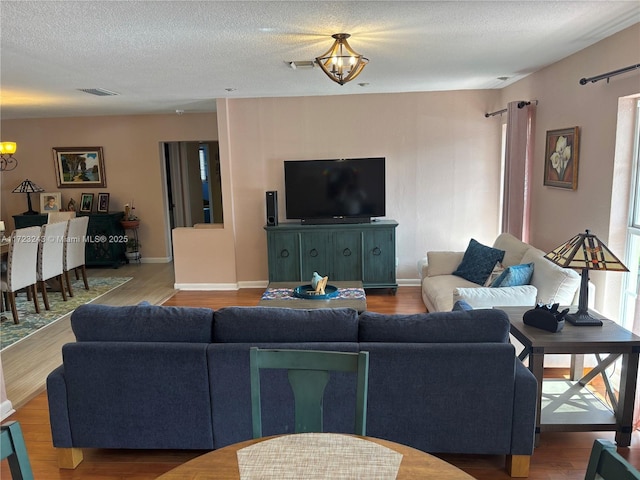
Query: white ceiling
[163, 56]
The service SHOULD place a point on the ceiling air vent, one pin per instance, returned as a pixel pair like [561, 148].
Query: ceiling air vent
[301, 64]
[100, 92]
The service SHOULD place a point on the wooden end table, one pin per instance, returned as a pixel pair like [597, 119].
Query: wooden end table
[564, 405]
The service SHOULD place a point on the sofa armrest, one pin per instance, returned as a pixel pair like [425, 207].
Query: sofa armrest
[442, 263]
[524, 411]
[487, 297]
[423, 265]
[59, 409]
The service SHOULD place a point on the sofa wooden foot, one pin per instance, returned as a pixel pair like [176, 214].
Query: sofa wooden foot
[69, 457]
[518, 465]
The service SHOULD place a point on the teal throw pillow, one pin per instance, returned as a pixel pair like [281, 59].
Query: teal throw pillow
[478, 262]
[514, 276]
[461, 306]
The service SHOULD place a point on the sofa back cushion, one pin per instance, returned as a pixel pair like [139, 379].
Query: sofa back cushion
[554, 283]
[142, 323]
[274, 324]
[474, 326]
[514, 249]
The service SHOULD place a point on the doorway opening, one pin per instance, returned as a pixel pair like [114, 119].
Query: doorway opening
[194, 187]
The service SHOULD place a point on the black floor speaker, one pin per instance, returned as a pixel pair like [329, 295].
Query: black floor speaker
[272, 208]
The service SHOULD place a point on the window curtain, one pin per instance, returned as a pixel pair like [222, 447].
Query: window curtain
[517, 165]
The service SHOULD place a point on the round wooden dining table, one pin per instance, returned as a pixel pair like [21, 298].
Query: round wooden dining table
[223, 463]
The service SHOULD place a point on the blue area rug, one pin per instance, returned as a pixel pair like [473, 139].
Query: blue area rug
[30, 321]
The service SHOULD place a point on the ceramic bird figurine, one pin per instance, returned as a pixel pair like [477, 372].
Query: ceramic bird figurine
[318, 283]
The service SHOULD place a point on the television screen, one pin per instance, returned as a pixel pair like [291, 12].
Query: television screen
[344, 190]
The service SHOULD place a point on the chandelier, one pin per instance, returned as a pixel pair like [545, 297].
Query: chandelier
[341, 63]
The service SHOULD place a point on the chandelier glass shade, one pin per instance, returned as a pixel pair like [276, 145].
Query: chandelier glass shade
[341, 63]
[7, 161]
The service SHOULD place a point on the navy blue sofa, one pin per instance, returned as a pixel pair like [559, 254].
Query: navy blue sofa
[152, 377]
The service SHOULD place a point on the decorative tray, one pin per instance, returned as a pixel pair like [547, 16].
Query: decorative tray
[308, 292]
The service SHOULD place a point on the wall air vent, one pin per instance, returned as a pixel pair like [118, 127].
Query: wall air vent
[100, 92]
[301, 64]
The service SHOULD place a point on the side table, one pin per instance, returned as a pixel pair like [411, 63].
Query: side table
[565, 405]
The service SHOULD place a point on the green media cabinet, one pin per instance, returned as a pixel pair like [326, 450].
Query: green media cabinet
[105, 245]
[343, 252]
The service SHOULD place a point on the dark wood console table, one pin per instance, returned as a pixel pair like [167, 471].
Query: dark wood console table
[364, 252]
[105, 244]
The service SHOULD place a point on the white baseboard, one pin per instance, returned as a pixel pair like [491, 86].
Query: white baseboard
[6, 409]
[206, 286]
[410, 282]
[155, 259]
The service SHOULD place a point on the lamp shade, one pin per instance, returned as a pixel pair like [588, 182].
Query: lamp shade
[8, 148]
[585, 252]
[27, 186]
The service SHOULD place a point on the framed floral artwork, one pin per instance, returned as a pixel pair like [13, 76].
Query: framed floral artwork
[561, 158]
[79, 167]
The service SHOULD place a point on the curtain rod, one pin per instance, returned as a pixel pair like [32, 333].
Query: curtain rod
[521, 104]
[597, 78]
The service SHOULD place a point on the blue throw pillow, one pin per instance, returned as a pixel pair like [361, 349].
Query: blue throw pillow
[478, 262]
[514, 276]
[461, 305]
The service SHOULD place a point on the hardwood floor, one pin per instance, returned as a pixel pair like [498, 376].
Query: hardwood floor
[560, 456]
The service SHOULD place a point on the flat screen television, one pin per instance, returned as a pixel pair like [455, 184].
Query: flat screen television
[350, 190]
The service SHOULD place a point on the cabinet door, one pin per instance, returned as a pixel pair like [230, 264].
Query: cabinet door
[347, 256]
[379, 257]
[316, 254]
[284, 256]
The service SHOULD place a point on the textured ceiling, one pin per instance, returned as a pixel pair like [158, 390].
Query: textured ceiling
[163, 56]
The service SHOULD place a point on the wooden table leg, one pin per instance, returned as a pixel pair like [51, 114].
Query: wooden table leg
[536, 366]
[626, 398]
[577, 366]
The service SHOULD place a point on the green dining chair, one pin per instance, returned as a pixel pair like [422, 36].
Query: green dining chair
[606, 462]
[309, 373]
[12, 448]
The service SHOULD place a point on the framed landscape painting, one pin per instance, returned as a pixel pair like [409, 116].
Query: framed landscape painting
[561, 158]
[79, 167]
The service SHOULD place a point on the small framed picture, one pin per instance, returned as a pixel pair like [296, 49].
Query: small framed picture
[86, 203]
[50, 202]
[103, 203]
[561, 158]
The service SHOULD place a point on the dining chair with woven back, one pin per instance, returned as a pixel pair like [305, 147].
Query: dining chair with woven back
[21, 273]
[51, 258]
[74, 250]
[309, 372]
[606, 463]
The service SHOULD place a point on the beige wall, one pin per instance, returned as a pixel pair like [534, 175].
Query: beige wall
[442, 163]
[133, 166]
[558, 214]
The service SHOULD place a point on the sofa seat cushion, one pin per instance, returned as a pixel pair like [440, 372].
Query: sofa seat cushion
[439, 290]
[488, 297]
[274, 324]
[470, 326]
[478, 262]
[554, 283]
[142, 323]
